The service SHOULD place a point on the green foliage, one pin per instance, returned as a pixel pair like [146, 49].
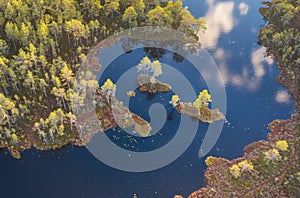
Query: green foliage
[91, 8]
[189, 23]
[42, 44]
[109, 88]
[130, 16]
[281, 37]
[76, 29]
[42, 31]
[245, 166]
[111, 7]
[14, 139]
[160, 17]
[236, 170]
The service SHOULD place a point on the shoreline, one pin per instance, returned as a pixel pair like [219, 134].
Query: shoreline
[220, 183]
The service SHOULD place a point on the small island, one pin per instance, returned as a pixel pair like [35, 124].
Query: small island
[149, 83]
[199, 109]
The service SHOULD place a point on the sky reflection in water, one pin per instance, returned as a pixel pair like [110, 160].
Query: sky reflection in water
[222, 18]
[254, 99]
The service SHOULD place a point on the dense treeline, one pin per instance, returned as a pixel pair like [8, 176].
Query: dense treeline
[281, 37]
[42, 44]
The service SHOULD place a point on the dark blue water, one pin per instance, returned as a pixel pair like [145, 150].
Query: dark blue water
[253, 100]
[140, 104]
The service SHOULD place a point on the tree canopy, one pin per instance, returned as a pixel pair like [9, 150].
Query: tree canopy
[42, 44]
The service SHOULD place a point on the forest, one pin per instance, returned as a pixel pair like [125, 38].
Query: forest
[42, 44]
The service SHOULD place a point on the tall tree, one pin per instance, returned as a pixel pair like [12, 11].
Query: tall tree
[144, 66]
[91, 8]
[24, 34]
[187, 21]
[130, 16]
[60, 95]
[12, 32]
[175, 8]
[174, 100]
[159, 16]
[30, 81]
[8, 114]
[139, 6]
[43, 31]
[76, 29]
[111, 7]
[67, 74]
[3, 47]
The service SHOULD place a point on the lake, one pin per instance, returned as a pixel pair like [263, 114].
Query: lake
[253, 100]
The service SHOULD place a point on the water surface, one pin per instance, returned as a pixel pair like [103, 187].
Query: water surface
[253, 100]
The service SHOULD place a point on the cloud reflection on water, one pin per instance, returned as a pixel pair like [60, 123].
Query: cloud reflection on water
[219, 20]
[244, 8]
[257, 59]
[249, 78]
[282, 96]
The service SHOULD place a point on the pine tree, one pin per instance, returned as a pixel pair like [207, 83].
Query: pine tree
[158, 16]
[111, 7]
[130, 16]
[76, 29]
[43, 31]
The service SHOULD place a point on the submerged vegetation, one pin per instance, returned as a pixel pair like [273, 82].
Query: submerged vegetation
[268, 168]
[43, 43]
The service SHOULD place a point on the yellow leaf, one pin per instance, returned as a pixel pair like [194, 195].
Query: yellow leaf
[108, 85]
[174, 101]
[245, 165]
[235, 170]
[282, 145]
